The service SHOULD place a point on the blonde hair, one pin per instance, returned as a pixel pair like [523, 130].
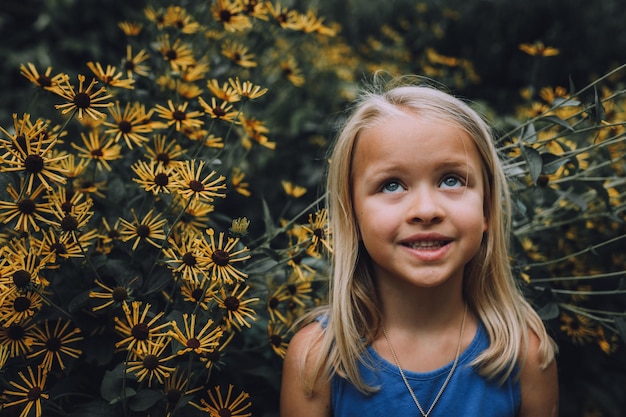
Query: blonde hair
[353, 317]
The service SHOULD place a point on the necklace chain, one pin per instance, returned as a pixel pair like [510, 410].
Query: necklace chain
[445, 383]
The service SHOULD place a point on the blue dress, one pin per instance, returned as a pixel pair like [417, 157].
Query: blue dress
[467, 395]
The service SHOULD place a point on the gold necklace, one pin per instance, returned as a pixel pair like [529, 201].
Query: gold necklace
[445, 383]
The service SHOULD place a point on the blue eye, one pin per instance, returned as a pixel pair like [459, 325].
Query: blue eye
[392, 187]
[451, 181]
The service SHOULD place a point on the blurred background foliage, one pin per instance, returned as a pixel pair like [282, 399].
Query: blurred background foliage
[567, 171]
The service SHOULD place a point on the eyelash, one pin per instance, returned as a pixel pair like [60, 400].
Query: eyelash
[462, 182]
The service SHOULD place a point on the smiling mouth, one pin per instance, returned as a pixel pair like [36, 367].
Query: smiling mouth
[427, 244]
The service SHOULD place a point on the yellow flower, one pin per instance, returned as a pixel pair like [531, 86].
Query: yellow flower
[85, 100]
[26, 209]
[538, 49]
[190, 184]
[17, 338]
[30, 392]
[220, 256]
[220, 406]
[135, 64]
[291, 71]
[32, 155]
[43, 80]
[204, 341]
[318, 232]
[151, 362]
[130, 125]
[150, 229]
[178, 18]
[179, 55]
[53, 344]
[277, 336]
[225, 93]
[293, 190]
[236, 181]
[114, 295]
[178, 115]
[236, 308]
[238, 54]
[247, 89]
[183, 257]
[137, 331]
[229, 13]
[164, 151]
[110, 76]
[153, 176]
[130, 28]
[98, 149]
[222, 112]
[18, 306]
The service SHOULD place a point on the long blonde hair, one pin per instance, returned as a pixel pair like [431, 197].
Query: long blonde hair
[353, 317]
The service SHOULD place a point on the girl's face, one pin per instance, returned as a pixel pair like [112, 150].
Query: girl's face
[417, 192]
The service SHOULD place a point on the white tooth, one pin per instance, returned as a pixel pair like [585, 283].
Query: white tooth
[425, 244]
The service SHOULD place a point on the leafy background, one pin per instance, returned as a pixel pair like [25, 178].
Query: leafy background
[568, 178]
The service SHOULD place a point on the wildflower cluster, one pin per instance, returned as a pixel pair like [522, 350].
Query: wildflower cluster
[120, 256]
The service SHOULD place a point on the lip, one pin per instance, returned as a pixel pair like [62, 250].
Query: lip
[427, 246]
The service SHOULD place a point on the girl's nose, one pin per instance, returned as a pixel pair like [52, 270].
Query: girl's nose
[425, 207]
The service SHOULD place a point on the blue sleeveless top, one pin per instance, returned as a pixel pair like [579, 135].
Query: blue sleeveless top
[467, 395]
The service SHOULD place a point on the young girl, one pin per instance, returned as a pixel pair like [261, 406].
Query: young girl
[424, 317]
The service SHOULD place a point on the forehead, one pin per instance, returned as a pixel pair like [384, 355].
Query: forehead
[415, 141]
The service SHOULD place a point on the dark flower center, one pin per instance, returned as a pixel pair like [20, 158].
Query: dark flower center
[129, 65]
[196, 186]
[53, 344]
[44, 81]
[69, 223]
[273, 302]
[173, 395]
[151, 362]
[26, 206]
[97, 153]
[119, 294]
[163, 158]
[67, 206]
[125, 126]
[21, 278]
[33, 164]
[224, 412]
[140, 331]
[179, 115]
[189, 259]
[232, 303]
[171, 55]
[15, 332]
[219, 112]
[82, 100]
[58, 248]
[33, 394]
[276, 340]
[197, 294]
[113, 234]
[161, 179]
[319, 233]
[21, 304]
[143, 231]
[220, 257]
[225, 16]
[293, 289]
[193, 343]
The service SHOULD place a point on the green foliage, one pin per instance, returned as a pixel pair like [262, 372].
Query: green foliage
[563, 150]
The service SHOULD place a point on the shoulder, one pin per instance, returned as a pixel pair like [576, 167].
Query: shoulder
[538, 382]
[302, 392]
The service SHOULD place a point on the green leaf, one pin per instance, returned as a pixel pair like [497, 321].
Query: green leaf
[529, 134]
[549, 311]
[112, 383]
[552, 163]
[598, 113]
[267, 218]
[557, 121]
[534, 161]
[620, 323]
[144, 399]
